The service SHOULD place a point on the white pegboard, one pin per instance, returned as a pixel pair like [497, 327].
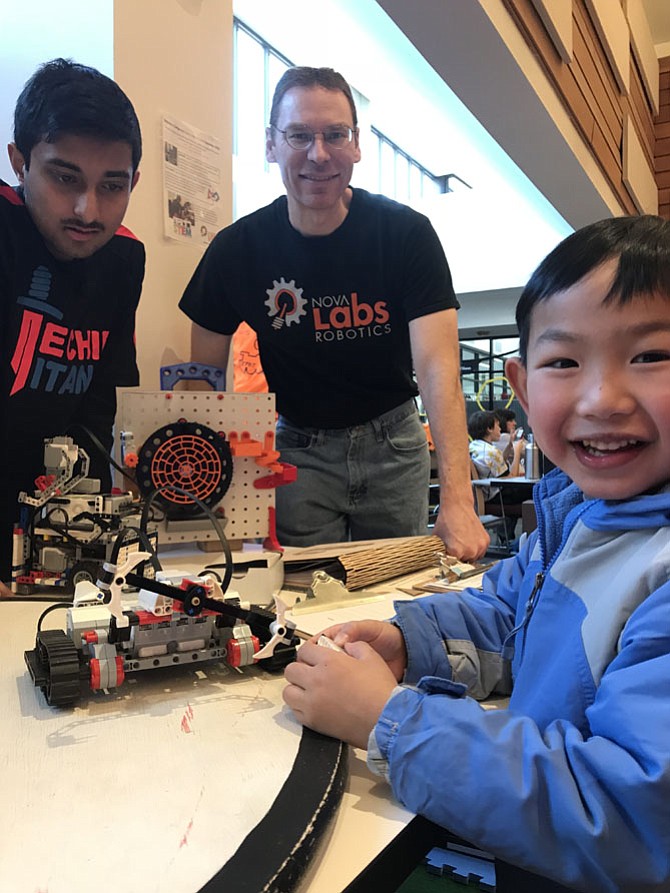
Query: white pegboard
[246, 508]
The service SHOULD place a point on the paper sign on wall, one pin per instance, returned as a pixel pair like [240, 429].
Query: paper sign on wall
[191, 183]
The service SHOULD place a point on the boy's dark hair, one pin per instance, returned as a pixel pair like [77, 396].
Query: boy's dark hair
[504, 416]
[642, 245]
[304, 76]
[480, 423]
[63, 97]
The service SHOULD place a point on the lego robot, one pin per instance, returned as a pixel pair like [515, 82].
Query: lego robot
[177, 620]
[68, 526]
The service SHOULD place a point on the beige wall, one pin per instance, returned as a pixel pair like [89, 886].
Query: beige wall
[172, 57]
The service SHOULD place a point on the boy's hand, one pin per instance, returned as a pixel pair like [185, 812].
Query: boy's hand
[384, 638]
[5, 591]
[341, 695]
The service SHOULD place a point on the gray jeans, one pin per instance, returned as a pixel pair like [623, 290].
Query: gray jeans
[365, 482]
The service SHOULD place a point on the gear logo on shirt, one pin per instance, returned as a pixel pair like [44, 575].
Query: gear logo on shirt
[285, 302]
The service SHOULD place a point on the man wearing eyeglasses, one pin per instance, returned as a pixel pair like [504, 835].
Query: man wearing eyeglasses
[349, 294]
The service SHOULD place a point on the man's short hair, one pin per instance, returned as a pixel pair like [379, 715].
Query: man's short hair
[304, 76]
[642, 245]
[63, 97]
[480, 423]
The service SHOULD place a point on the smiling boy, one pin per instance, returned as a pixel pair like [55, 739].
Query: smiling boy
[570, 785]
[70, 274]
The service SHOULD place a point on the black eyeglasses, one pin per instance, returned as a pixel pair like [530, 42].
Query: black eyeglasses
[303, 137]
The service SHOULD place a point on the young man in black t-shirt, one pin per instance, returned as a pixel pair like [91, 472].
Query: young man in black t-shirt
[70, 274]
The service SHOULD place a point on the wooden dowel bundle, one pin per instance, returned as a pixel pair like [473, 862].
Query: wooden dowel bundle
[392, 559]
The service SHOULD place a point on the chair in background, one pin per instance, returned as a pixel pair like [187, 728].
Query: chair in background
[433, 503]
[491, 523]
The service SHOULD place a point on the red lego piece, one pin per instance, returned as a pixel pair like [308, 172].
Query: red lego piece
[233, 653]
[286, 475]
[120, 673]
[271, 543]
[36, 576]
[94, 667]
[146, 618]
[44, 481]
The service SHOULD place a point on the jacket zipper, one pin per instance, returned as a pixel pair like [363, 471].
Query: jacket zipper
[507, 648]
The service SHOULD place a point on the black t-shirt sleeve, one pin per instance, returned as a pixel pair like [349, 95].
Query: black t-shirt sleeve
[427, 283]
[205, 300]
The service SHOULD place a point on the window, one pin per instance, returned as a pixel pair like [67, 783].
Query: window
[399, 176]
[257, 68]
[483, 375]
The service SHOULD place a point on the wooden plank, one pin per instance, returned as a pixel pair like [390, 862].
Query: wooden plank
[593, 59]
[559, 74]
[556, 16]
[610, 165]
[662, 163]
[601, 101]
[612, 28]
[643, 49]
[662, 147]
[637, 105]
[587, 89]
[534, 32]
[609, 159]
[638, 175]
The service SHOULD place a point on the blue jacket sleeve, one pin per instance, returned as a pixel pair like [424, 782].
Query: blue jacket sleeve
[459, 636]
[590, 810]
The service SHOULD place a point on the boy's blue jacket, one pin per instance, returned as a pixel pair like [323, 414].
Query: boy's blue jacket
[572, 781]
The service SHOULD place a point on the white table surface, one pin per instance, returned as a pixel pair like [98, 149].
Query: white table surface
[149, 789]
[369, 818]
[153, 788]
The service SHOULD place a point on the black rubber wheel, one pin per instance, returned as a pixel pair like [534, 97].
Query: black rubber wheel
[61, 663]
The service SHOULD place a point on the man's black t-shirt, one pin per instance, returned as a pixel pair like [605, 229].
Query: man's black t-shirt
[331, 312]
[67, 342]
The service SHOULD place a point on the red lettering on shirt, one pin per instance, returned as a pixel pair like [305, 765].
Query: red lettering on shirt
[22, 359]
[340, 318]
[381, 313]
[40, 338]
[53, 340]
[358, 314]
[318, 323]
